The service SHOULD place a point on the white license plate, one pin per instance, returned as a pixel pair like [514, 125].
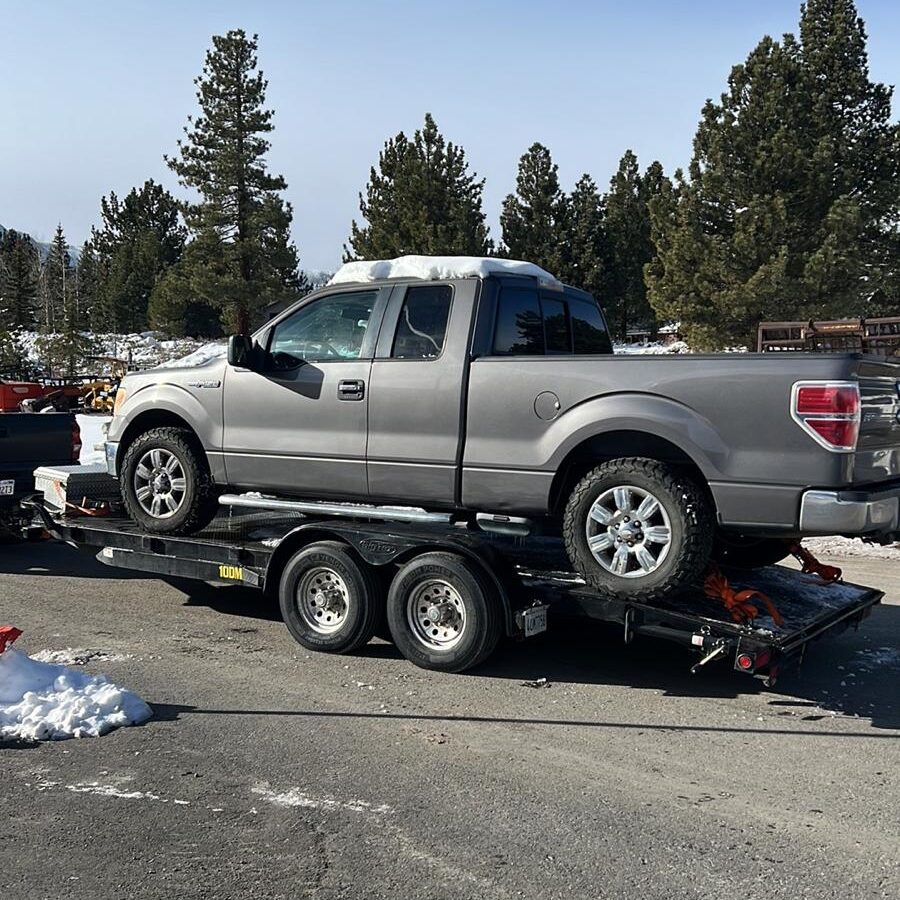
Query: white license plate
[7, 488]
[534, 620]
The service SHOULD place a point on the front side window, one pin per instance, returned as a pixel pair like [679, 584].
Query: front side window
[331, 328]
[422, 326]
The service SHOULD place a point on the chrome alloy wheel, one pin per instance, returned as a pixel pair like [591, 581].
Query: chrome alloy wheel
[436, 614]
[323, 600]
[159, 483]
[628, 531]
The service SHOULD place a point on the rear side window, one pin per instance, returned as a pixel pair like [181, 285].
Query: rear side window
[533, 323]
[588, 328]
[520, 327]
[422, 326]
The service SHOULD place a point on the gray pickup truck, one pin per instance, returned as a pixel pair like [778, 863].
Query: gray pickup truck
[486, 386]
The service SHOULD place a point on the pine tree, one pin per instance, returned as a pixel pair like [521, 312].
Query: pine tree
[534, 220]
[791, 205]
[421, 199]
[140, 237]
[62, 345]
[243, 259]
[630, 243]
[19, 274]
[587, 239]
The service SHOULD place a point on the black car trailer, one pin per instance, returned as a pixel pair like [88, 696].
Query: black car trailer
[448, 592]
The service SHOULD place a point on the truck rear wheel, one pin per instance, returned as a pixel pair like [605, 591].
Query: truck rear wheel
[639, 529]
[329, 598]
[443, 613]
[166, 484]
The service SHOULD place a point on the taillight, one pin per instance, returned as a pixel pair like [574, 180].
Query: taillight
[829, 411]
[76, 440]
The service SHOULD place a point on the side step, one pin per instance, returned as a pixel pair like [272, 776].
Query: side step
[347, 510]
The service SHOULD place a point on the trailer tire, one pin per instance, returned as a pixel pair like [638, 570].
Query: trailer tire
[443, 613]
[661, 550]
[330, 599]
[745, 552]
[197, 501]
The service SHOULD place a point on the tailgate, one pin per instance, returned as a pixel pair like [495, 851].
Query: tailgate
[34, 439]
[878, 449]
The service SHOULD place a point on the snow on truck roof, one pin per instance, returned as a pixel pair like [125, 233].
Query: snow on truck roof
[433, 268]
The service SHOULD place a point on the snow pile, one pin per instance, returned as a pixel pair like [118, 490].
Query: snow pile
[41, 701]
[431, 268]
[91, 427]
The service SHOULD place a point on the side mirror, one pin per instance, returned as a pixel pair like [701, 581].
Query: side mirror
[240, 349]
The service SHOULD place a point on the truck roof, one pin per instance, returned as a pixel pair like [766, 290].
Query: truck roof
[435, 268]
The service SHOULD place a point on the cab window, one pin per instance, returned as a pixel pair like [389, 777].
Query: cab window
[331, 328]
[422, 326]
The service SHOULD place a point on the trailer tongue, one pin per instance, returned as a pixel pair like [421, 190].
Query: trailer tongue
[454, 591]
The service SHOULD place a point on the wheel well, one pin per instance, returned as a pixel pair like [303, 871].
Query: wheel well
[154, 418]
[613, 445]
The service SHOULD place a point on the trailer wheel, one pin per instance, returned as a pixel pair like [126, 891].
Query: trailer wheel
[443, 613]
[639, 529]
[330, 599]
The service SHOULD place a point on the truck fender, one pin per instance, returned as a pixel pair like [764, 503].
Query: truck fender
[661, 417]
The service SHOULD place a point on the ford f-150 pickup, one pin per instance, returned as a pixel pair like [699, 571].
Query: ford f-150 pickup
[486, 386]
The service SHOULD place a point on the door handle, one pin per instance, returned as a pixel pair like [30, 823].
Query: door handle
[351, 389]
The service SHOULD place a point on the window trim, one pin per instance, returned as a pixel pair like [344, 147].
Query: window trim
[391, 322]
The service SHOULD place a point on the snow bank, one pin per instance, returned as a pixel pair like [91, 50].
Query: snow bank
[91, 434]
[436, 267]
[41, 701]
[203, 354]
[850, 548]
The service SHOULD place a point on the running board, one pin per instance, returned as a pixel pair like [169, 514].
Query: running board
[347, 510]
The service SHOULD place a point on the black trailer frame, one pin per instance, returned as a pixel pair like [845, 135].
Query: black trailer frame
[528, 574]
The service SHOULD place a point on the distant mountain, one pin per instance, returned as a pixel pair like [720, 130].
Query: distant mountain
[42, 247]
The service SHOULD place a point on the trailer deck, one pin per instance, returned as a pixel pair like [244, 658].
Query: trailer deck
[531, 575]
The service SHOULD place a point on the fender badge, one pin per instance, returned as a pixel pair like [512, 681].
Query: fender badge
[205, 384]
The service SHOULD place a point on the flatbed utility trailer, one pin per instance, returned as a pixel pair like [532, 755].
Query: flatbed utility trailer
[449, 592]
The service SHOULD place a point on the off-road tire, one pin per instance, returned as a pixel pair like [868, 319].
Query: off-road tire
[483, 623]
[745, 552]
[364, 600]
[692, 525]
[200, 502]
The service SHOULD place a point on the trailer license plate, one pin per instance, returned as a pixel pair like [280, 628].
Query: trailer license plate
[7, 488]
[534, 620]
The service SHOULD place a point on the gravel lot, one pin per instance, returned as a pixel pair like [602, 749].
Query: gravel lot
[268, 772]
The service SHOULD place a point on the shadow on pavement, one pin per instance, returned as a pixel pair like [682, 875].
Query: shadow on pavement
[851, 674]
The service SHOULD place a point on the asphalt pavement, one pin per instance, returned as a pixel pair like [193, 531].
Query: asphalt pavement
[270, 772]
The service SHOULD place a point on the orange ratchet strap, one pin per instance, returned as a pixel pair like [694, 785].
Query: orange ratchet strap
[738, 603]
[811, 566]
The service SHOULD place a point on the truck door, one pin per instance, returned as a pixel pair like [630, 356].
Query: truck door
[417, 389]
[299, 425]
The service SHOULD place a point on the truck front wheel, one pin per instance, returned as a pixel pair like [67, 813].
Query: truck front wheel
[639, 529]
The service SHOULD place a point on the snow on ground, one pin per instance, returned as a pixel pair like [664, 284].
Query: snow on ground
[41, 701]
[140, 350]
[91, 434]
[850, 548]
[651, 349]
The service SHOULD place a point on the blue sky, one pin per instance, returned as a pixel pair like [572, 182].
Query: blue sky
[93, 94]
